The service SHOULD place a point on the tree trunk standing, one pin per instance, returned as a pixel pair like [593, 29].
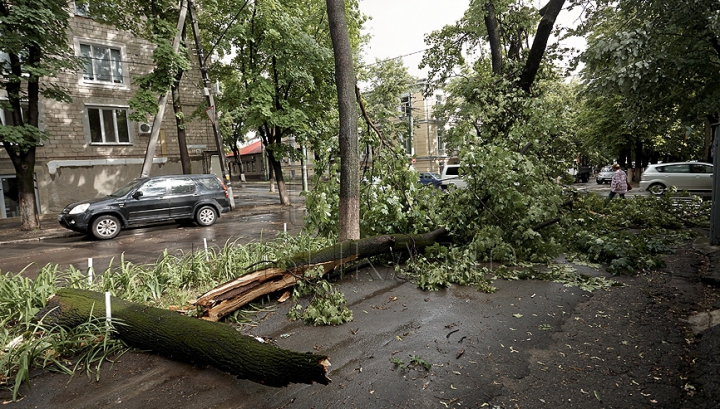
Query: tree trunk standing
[349, 209]
[189, 339]
[269, 138]
[23, 155]
[180, 121]
[491, 24]
[24, 164]
[280, 180]
[707, 148]
[547, 22]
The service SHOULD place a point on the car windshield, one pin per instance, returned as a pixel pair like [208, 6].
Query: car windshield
[127, 188]
[606, 169]
[435, 175]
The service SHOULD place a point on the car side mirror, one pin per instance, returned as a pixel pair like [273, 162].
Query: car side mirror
[137, 194]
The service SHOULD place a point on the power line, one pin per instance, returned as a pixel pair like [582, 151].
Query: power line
[395, 58]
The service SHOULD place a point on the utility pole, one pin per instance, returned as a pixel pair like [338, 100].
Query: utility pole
[162, 101]
[207, 91]
[715, 209]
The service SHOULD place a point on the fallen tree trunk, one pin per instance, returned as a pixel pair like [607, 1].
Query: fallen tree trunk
[188, 339]
[228, 297]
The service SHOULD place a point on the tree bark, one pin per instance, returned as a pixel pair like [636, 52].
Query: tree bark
[491, 24]
[188, 339]
[228, 297]
[349, 207]
[545, 27]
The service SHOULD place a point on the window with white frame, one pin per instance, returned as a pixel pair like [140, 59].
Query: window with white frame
[441, 140]
[405, 106]
[103, 64]
[6, 113]
[108, 125]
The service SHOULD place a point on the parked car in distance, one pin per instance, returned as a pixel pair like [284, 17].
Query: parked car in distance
[431, 179]
[605, 175]
[199, 198]
[695, 177]
[450, 176]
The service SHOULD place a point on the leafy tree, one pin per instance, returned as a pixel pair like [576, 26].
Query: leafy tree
[511, 117]
[34, 39]
[281, 52]
[656, 64]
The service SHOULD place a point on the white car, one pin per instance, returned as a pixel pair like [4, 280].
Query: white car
[695, 177]
[451, 176]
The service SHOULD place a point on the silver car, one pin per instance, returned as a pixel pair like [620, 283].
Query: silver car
[695, 177]
[605, 175]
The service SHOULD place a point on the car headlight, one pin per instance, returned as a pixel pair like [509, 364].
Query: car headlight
[80, 208]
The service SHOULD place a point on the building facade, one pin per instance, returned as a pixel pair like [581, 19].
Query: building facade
[93, 147]
[426, 142]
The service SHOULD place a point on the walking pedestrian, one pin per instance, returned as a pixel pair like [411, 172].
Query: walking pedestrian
[619, 183]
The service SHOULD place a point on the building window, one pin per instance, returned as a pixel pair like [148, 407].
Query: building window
[441, 140]
[405, 106]
[102, 63]
[108, 125]
[6, 114]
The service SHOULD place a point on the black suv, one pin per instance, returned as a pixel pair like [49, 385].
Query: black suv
[176, 197]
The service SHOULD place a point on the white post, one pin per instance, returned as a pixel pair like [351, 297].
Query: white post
[90, 271]
[285, 227]
[207, 256]
[108, 309]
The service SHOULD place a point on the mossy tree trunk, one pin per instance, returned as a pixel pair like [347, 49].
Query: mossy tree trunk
[188, 339]
[228, 297]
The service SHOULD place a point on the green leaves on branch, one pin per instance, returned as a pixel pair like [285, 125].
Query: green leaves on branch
[168, 64]
[327, 305]
[21, 138]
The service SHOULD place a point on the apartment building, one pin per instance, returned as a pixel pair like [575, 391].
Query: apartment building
[426, 142]
[93, 147]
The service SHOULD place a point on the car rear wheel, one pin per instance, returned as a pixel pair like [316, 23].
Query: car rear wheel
[105, 227]
[206, 216]
[657, 189]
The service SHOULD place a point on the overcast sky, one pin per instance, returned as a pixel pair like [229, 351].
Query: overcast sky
[398, 27]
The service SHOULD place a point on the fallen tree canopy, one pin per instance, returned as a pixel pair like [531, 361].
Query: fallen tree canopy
[228, 297]
[188, 339]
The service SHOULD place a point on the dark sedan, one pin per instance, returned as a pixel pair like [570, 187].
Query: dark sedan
[199, 198]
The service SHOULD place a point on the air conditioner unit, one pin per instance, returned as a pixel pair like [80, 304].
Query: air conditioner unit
[144, 128]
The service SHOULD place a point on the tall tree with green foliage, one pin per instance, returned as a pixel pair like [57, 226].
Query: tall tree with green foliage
[659, 61]
[33, 38]
[510, 114]
[280, 56]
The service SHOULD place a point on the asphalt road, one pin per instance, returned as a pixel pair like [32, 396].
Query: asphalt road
[532, 344]
[258, 216]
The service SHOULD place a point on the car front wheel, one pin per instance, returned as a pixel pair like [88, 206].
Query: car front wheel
[105, 227]
[657, 189]
[206, 216]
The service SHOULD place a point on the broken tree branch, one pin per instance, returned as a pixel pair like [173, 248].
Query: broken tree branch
[228, 297]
